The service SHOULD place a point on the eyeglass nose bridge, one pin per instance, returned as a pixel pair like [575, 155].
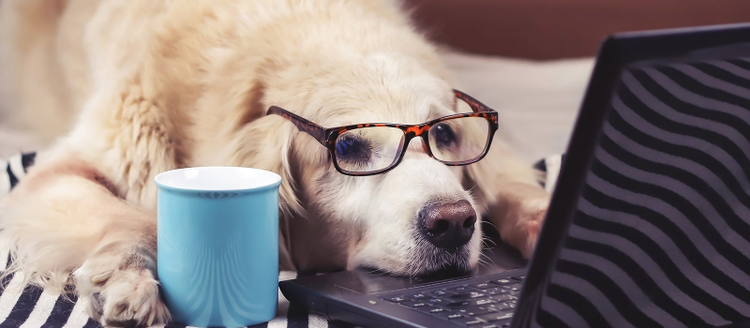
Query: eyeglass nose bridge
[416, 132]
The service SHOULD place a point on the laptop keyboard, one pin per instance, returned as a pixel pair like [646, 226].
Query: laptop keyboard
[485, 304]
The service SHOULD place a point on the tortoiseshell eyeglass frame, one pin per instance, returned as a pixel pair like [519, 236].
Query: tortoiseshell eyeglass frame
[327, 136]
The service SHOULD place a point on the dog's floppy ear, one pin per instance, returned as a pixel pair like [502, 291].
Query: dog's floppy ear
[266, 143]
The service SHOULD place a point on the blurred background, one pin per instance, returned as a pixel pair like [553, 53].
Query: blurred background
[549, 29]
[531, 59]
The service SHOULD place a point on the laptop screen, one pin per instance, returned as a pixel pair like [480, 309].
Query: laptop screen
[661, 233]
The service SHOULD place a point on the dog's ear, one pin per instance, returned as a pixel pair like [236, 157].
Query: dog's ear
[266, 143]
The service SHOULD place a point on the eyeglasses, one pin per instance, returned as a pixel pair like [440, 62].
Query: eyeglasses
[373, 148]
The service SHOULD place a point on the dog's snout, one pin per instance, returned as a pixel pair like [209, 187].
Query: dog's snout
[448, 225]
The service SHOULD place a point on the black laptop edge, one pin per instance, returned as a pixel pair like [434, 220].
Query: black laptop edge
[616, 52]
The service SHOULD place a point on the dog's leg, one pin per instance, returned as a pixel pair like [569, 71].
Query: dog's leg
[510, 196]
[66, 217]
[518, 213]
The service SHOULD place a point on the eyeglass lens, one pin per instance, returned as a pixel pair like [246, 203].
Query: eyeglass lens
[459, 140]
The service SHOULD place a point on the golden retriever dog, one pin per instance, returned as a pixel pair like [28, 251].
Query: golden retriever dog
[139, 87]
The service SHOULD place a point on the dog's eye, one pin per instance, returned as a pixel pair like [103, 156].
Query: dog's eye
[352, 149]
[443, 135]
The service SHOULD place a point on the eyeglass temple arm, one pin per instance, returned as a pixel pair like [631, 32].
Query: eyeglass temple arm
[303, 125]
[475, 105]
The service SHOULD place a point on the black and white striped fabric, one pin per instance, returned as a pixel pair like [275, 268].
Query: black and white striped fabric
[13, 170]
[661, 236]
[30, 306]
[550, 167]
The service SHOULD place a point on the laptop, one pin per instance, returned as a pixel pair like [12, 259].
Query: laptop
[649, 223]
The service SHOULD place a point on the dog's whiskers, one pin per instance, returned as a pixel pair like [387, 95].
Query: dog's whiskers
[491, 225]
[488, 242]
[486, 260]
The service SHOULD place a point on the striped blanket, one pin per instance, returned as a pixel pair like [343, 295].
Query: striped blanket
[31, 307]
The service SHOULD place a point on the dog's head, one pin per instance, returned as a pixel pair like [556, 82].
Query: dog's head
[416, 218]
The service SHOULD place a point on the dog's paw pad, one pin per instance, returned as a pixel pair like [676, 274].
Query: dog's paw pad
[132, 296]
[120, 295]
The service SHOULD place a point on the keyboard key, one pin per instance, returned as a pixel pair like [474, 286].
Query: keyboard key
[427, 309]
[474, 310]
[459, 304]
[503, 281]
[462, 296]
[397, 299]
[440, 293]
[494, 291]
[504, 297]
[419, 296]
[519, 278]
[415, 304]
[436, 301]
[460, 289]
[501, 323]
[496, 316]
[465, 296]
[515, 286]
[463, 320]
[448, 315]
[489, 325]
[483, 301]
[477, 302]
[483, 285]
[504, 306]
[453, 315]
[470, 322]
[438, 310]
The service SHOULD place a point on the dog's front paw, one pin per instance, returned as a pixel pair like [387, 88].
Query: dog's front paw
[523, 232]
[122, 292]
[531, 228]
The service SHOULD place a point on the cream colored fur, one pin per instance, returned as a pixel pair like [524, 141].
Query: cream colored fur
[142, 86]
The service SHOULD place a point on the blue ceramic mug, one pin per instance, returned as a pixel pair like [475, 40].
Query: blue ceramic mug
[218, 241]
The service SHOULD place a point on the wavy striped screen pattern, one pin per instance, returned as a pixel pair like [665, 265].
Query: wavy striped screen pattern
[661, 236]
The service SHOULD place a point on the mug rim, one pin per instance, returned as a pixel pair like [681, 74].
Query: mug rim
[275, 179]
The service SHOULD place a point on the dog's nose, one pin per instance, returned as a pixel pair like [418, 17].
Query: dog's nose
[448, 225]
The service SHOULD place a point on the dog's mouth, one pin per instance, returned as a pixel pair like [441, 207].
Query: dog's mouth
[432, 262]
[440, 274]
[453, 260]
